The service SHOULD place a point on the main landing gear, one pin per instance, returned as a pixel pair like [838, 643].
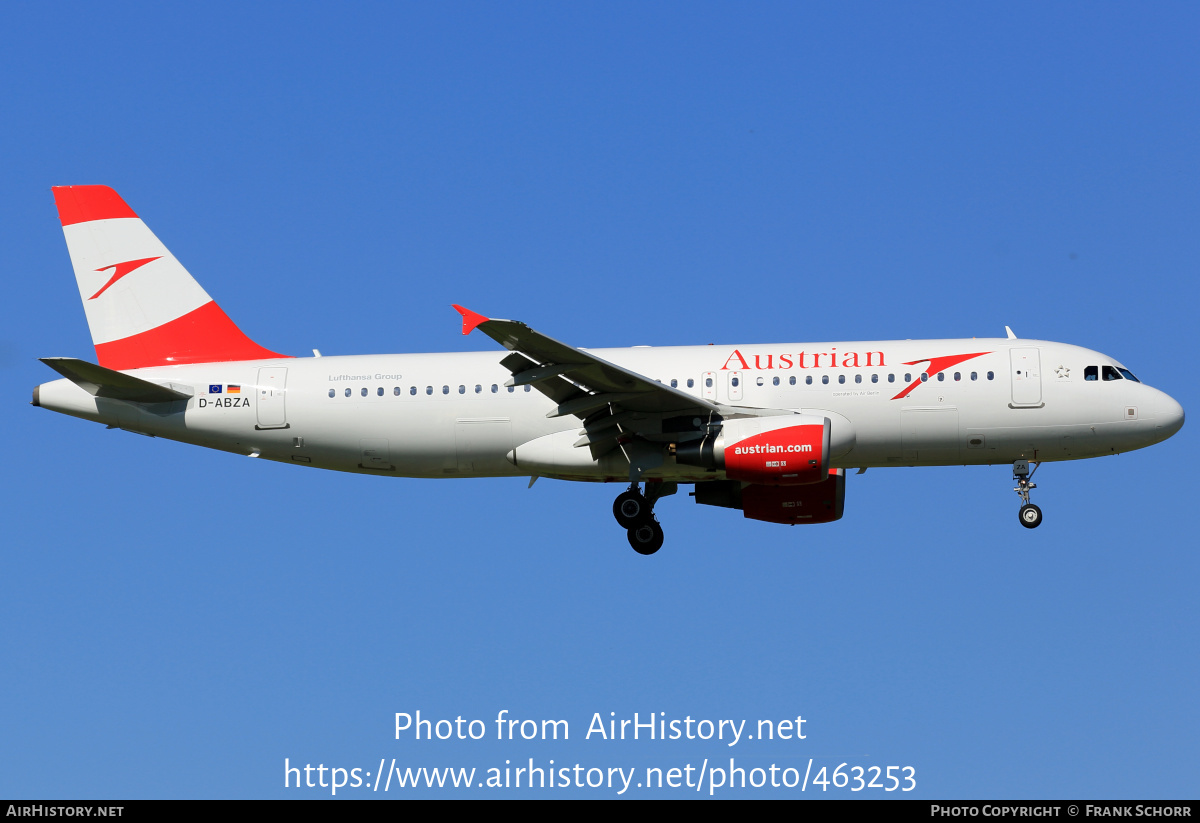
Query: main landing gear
[1030, 515]
[635, 512]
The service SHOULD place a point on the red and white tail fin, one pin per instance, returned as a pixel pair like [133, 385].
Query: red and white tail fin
[142, 306]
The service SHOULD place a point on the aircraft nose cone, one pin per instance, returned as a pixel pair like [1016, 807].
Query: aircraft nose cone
[1169, 416]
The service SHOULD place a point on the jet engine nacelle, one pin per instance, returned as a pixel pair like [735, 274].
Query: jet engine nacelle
[821, 502]
[784, 450]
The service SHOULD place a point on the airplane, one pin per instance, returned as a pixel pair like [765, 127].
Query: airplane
[770, 430]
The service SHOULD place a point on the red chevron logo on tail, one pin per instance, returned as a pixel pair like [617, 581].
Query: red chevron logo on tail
[120, 270]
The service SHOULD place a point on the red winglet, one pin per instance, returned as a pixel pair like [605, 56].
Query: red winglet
[79, 204]
[470, 318]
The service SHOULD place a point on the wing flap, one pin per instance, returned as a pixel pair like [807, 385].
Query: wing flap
[554, 387]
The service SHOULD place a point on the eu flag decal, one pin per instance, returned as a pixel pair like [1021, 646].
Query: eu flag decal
[215, 388]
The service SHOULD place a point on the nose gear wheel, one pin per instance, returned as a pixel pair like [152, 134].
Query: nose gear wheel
[1031, 516]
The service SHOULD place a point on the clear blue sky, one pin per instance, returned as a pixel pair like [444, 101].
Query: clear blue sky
[177, 622]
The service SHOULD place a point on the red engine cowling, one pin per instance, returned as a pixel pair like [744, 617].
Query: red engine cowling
[815, 503]
[789, 450]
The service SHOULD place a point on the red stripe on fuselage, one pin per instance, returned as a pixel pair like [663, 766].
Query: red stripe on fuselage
[79, 204]
[205, 335]
[938, 364]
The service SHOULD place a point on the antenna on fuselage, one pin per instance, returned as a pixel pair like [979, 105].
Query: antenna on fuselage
[1009, 331]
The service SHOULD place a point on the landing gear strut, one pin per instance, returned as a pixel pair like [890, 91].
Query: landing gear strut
[1030, 515]
[634, 512]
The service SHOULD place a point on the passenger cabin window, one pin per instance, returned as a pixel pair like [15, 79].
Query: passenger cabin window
[759, 381]
[429, 389]
[333, 392]
[858, 378]
[808, 380]
[691, 382]
[363, 392]
[347, 392]
[891, 378]
[874, 378]
[396, 391]
[991, 375]
[957, 376]
[495, 388]
[974, 375]
[841, 378]
[774, 381]
[792, 380]
[824, 380]
[412, 390]
[379, 391]
[674, 383]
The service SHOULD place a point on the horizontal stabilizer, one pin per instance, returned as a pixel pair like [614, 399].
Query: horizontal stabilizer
[114, 385]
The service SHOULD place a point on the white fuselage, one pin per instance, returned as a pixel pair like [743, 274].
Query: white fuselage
[450, 415]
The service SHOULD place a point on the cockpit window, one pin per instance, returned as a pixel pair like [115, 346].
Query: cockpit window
[1110, 373]
[1129, 375]
[1091, 373]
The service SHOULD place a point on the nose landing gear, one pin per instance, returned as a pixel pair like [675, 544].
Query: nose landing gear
[634, 512]
[1030, 515]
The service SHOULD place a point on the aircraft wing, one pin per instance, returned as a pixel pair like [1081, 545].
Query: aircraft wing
[598, 382]
[619, 408]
